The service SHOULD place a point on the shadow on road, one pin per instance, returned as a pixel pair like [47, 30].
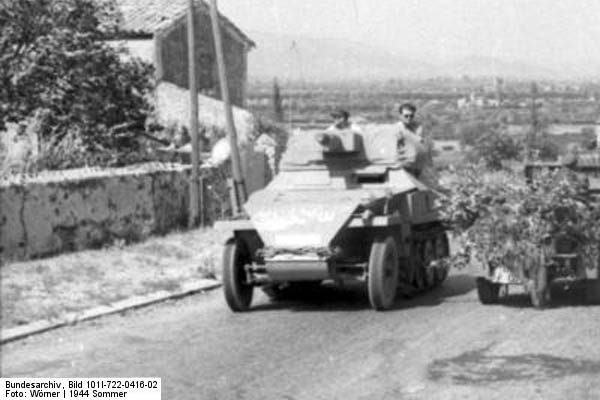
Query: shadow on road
[480, 367]
[353, 296]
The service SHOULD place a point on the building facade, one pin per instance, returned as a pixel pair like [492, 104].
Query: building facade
[156, 31]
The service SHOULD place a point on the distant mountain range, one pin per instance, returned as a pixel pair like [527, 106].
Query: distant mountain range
[315, 59]
[296, 57]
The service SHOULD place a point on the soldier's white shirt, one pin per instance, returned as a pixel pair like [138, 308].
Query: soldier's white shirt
[406, 133]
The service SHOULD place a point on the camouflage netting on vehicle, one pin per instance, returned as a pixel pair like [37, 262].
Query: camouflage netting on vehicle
[500, 219]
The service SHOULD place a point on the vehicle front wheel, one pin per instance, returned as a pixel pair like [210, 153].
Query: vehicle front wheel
[238, 291]
[539, 287]
[592, 291]
[383, 273]
[442, 251]
[487, 291]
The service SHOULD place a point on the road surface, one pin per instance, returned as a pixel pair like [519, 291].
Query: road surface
[330, 345]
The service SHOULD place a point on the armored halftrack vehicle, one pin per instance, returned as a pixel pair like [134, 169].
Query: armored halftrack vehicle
[343, 207]
[561, 257]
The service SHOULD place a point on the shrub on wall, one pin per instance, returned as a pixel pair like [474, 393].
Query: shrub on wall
[90, 103]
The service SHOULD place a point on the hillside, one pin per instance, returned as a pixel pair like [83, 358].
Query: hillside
[297, 58]
[489, 66]
[315, 59]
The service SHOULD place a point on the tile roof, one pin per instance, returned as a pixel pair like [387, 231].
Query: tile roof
[148, 16]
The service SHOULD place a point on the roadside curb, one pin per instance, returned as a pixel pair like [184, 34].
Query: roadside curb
[20, 332]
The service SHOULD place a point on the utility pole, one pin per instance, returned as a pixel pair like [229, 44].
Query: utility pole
[277, 104]
[534, 122]
[238, 185]
[499, 86]
[194, 180]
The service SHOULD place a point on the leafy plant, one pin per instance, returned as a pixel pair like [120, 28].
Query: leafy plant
[499, 219]
[546, 149]
[469, 132]
[494, 148]
[56, 71]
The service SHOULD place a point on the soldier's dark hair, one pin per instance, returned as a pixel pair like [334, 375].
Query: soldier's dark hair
[407, 106]
[340, 113]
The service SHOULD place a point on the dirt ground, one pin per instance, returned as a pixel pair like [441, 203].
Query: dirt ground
[328, 343]
[69, 283]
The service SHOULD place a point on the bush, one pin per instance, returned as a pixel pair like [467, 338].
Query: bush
[499, 219]
[546, 149]
[470, 132]
[494, 148]
[90, 103]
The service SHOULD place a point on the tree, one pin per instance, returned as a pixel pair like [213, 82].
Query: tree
[589, 140]
[471, 131]
[494, 148]
[89, 102]
[546, 149]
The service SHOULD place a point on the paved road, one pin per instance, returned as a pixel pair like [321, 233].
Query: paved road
[330, 345]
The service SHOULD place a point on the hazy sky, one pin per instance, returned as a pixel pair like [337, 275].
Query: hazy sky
[559, 33]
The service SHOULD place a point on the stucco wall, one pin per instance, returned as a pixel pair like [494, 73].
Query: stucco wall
[172, 105]
[58, 211]
[83, 208]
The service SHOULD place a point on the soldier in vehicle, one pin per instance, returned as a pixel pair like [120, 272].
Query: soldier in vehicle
[341, 121]
[408, 125]
[411, 151]
[409, 128]
[341, 126]
[414, 152]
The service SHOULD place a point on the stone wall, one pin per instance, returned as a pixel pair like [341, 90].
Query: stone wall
[86, 208]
